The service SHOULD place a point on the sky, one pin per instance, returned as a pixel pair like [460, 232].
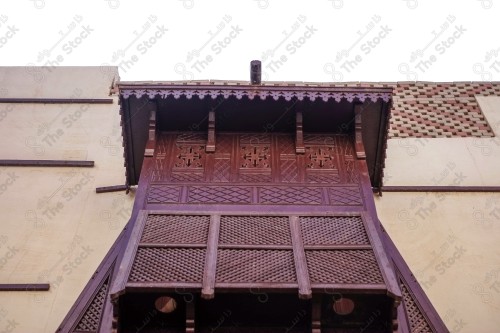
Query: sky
[310, 41]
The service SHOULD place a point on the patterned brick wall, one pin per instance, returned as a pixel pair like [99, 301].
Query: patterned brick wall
[431, 110]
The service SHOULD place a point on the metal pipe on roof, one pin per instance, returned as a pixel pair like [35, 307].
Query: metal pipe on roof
[255, 72]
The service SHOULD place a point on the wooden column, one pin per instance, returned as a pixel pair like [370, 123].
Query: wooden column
[299, 258]
[358, 135]
[208, 285]
[190, 314]
[150, 145]
[316, 314]
[299, 134]
[210, 147]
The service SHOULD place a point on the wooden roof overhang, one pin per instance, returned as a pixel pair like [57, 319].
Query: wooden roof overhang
[374, 102]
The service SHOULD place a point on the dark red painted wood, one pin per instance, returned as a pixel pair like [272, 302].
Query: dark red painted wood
[24, 286]
[47, 163]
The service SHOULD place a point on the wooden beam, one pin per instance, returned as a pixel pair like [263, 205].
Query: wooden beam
[210, 147]
[337, 247]
[299, 257]
[58, 100]
[256, 247]
[172, 245]
[436, 188]
[24, 287]
[47, 163]
[117, 287]
[288, 87]
[208, 285]
[114, 188]
[299, 134]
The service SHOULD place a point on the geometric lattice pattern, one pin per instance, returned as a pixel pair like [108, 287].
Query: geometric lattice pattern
[345, 196]
[257, 194]
[222, 169]
[351, 172]
[164, 194]
[219, 194]
[290, 195]
[323, 177]
[168, 265]
[430, 110]
[416, 320]
[255, 177]
[253, 249]
[255, 230]
[176, 229]
[343, 267]
[244, 266]
[92, 316]
[289, 171]
[186, 177]
[345, 230]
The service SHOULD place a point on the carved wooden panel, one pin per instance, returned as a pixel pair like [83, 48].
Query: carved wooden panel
[254, 168]
[219, 194]
[255, 156]
[290, 195]
[252, 194]
[222, 170]
[164, 194]
[345, 195]
[189, 157]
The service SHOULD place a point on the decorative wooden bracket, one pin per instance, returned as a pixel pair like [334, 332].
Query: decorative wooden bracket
[150, 145]
[299, 134]
[210, 148]
[358, 135]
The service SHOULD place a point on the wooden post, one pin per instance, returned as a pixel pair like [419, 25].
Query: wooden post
[190, 315]
[150, 145]
[299, 257]
[358, 135]
[208, 285]
[299, 134]
[210, 147]
[316, 314]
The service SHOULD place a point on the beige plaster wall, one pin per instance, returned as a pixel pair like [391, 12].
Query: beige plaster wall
[56, 82]
[54, 227]
[450, 240]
